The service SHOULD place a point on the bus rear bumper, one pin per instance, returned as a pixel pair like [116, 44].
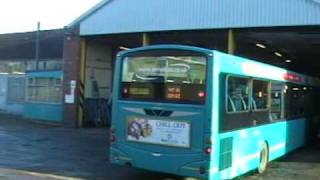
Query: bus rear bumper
[199, 169]
[120, 158]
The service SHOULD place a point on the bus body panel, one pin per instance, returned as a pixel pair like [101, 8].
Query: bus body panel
[281, 138]
[241, 66]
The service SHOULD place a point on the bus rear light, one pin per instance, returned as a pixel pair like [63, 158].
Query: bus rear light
[125, 91]
[208, 150]
[201, 94]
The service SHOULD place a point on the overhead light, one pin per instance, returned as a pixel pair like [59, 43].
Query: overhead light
[288, 61]
[278, 54]
[261, 45]
[123, 48]
[20, 73]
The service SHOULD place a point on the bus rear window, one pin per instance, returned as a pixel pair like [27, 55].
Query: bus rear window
[179, 79]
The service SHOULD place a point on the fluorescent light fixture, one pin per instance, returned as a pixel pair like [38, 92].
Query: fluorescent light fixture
[261, 45]
[18, 73]
[123, 48]
[278, 54]
[288, 61]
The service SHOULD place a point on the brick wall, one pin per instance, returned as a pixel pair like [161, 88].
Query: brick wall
[71, 56]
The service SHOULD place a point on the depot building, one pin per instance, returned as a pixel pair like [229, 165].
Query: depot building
[283, 33]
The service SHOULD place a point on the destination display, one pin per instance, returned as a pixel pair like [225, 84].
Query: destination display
[173, 92]
[161, 132]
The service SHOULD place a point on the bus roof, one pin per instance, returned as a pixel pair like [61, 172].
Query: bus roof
[167, 46]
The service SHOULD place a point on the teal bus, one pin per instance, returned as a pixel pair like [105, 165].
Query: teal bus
[202, 113]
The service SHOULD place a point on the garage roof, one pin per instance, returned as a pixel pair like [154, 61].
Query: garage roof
[127, 16]
[21, 46]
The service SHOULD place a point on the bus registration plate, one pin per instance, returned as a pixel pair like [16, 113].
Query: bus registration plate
[161, 132]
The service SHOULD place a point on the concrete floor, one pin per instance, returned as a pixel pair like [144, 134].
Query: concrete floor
[34, 151]
[303, 164]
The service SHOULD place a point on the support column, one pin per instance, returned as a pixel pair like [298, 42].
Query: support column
[83, 64]
[71, 68]
[231, 41]
[145, 39]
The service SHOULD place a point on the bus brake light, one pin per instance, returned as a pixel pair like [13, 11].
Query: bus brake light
[201, 94]
[208, 150]
[125, 91]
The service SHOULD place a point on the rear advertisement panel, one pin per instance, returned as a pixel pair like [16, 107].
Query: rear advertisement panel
[159, 131]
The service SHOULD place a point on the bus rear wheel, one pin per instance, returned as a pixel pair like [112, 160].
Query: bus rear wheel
[264, 157]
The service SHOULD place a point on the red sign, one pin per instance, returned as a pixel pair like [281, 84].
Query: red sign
[293, 77]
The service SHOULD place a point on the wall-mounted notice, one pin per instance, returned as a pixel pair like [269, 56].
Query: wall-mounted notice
[69, 98]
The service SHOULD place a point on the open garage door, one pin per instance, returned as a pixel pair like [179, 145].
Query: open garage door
[293, 48]
[98, 84]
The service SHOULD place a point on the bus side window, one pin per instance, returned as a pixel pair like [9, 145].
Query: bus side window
[237, 94]
[276, 104]
[296, 101]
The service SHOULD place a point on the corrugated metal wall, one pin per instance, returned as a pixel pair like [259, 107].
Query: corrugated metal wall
[121, 16]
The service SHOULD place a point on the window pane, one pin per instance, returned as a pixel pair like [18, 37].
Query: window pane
[46, 90]
[165, 69]
[17, 67]
[41, 94]
[51, 81]
[178, 78]
[16, 89]
[54, 94]
[37, 94]
[296, 101]
[58, 81]
[41, 65]
[259, 95]
[31, 93]
[238, 91]
[31, 65]
[31, 81]
[277, 92]
[54, 65]
[42, 81]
